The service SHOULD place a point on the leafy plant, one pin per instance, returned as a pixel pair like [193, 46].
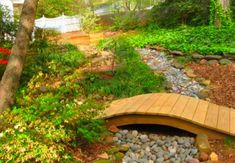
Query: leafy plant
[60, 59]
[89, 21]
[184, 59]
[43, 124]
[54, 8]
[230, 142]
[125, 21]
[7, 28]
[203, 39]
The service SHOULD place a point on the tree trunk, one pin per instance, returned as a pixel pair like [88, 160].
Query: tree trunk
[225, 5]
[11, 76]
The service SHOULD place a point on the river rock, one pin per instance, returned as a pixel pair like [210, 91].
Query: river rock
[124, 148]
[193, 160]
[225, 62]
[115, 139]
[213, 63]
[160, 160]
[203, 94]
[108, 139]
[147, 147]
[124, 132]
[206, 82]
[194, 151]
[118, 135]
[177, 65]
[134, 133]
[203, 62]
[119, 156]
[203, 156]
[113, 129]
[103, 156]
[230, 57]
[178, 81]
[179, 53]
[202, 143]
[43, 89]
[172, 150]
[190, 73]
[134, 147]
[144, 138]
[212, 57]
[214, 157]
[197, 56]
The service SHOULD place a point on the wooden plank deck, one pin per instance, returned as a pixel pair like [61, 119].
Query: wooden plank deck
[188, 113]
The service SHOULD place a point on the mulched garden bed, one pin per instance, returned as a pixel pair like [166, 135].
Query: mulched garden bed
[222, 77]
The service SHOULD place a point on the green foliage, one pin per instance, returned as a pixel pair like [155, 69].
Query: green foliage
[132, 77]
[52, 59]
[72, 59]
[125, 21]
[230, 142]
[51, 115]
[54, 8]
[233, 9]
[44, 123]
[172, 13]
[89, 21]
[183, 59]
[7, 28]
[91, 129]
[204, 39]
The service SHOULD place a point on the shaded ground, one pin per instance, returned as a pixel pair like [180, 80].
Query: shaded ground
[222, 91]
[90, 152]
[226, 154]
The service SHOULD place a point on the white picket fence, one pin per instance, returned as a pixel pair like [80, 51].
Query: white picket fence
[61, 24]
[18, 1]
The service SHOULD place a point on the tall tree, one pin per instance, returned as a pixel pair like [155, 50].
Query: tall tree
[12, 74]
[220, 12]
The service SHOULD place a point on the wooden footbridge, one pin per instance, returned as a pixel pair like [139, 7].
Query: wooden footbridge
[179, 111]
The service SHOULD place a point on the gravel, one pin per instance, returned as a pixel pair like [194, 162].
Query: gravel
[177, 80]
[153, 148]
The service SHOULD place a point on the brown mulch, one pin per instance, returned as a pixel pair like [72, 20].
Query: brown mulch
[89, 152]
[222, 78]
[226, 154]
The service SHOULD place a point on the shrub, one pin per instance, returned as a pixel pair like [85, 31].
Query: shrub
[46, 126]
[125, 21]
[56, 59]
[7, 28]
[172, 13]
[89, 21]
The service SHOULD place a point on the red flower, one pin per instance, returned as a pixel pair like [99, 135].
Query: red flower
[3, 62]
[4, 51]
